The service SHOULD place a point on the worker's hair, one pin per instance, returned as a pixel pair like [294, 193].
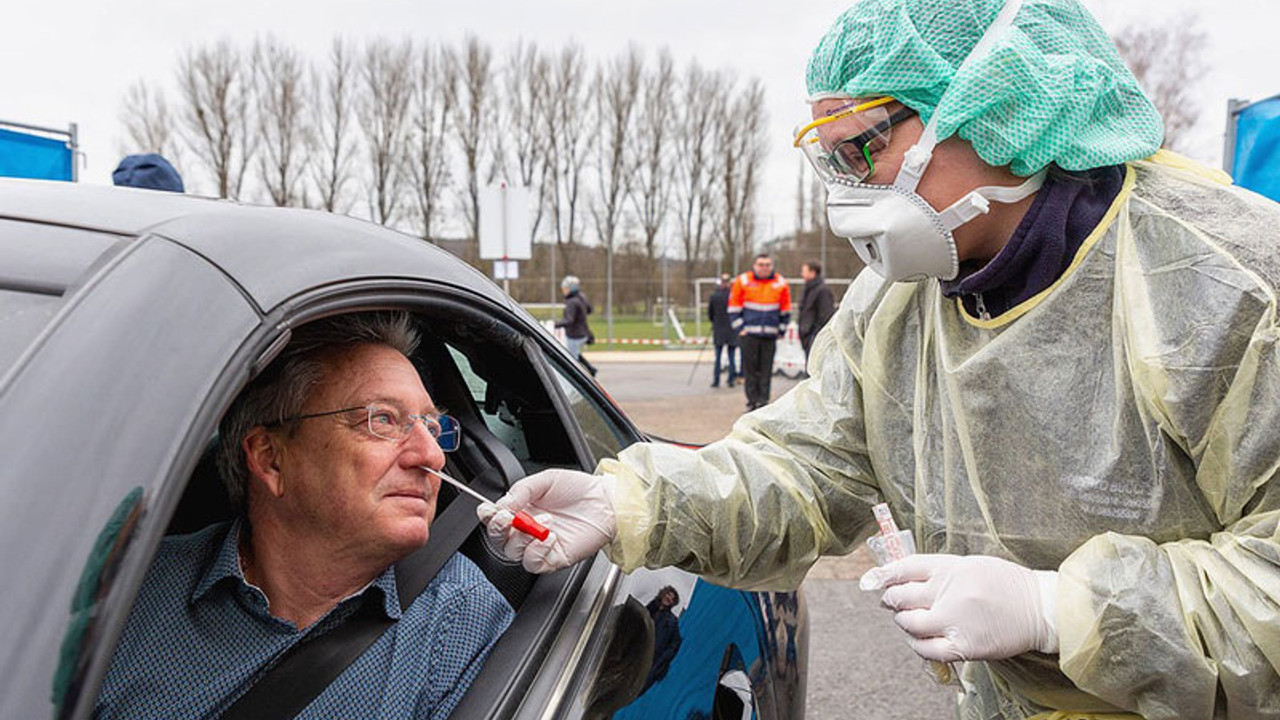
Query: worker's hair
[655, 604]
[760, 256]
[281, 391]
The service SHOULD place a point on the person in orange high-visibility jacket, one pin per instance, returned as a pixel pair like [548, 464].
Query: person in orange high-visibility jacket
[759, 310]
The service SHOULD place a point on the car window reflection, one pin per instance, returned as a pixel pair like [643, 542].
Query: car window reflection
[95, 580]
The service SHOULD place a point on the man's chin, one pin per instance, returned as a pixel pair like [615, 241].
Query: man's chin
[410, 532]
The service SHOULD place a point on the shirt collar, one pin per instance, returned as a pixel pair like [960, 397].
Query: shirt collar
[226, 566]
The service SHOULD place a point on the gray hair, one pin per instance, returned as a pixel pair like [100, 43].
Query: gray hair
[570, 282]
[281, 391]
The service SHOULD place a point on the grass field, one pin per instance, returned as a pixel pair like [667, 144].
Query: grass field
[630, 327]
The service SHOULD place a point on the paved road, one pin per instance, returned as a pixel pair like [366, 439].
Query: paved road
[859, 665]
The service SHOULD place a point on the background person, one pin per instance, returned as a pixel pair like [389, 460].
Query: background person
[760, 308]
[666, 633]
[1061, 372]
[321, 455]
[576, 309]
[816, 305]
[147, 170]
[722, 333]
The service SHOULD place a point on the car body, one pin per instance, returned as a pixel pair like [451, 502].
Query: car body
[130, 319]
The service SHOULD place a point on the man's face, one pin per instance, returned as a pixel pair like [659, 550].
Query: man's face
[807, 272]
[668, 599]
[364, 493]
[763, 267]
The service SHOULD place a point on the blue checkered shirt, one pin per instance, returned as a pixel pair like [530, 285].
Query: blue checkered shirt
[199, 635]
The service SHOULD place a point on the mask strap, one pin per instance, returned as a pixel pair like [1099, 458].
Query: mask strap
[978, 202]
[916, 160]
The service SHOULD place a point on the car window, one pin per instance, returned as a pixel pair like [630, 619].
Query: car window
[22, 316]
[37, 264]
[605, 438]
[504, 424]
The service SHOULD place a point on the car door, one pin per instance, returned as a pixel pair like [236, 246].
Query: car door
[98, 407]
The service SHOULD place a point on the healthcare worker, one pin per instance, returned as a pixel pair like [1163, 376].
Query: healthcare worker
[1061, 373]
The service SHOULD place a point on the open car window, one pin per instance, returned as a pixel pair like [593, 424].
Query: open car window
[493, 378]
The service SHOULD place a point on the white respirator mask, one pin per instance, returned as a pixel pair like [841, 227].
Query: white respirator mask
[895, 231]
[899, 235]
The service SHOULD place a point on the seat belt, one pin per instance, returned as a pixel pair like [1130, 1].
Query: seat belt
[307, 668]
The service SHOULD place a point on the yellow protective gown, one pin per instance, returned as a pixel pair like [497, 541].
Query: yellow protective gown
[1123, 427]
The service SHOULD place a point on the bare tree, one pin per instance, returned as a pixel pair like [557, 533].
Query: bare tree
[740, 127]
[334, 96]
[284, 130]
[1168, 61]
[215, 114]
[802, 204]
[651, 191]
[148, 125]
[615, 89]
[428, 165]
[564, 131]
[817, 204]
[470, 70]
[525, 84]
[387, 86]
[699, 94]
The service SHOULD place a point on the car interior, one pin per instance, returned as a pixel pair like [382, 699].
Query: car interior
[520, 413]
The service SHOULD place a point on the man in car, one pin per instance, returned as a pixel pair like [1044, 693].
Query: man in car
[322, 456]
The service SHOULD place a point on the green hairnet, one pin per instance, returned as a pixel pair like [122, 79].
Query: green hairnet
[1052, 90]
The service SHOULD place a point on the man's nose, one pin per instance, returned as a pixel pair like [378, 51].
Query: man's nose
[422, 448]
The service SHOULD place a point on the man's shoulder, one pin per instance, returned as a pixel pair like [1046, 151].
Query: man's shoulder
[184, 559]
[460, 578]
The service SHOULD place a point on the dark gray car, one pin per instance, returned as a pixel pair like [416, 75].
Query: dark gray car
[130, 319]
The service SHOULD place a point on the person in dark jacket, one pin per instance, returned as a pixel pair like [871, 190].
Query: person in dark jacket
[816, 305]
[576, 309]
[147, 170]
[722, 333]
[666, 633]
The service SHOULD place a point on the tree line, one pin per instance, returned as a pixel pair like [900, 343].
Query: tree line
[629, 151]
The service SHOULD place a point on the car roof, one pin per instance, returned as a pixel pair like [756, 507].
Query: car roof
[270, 252]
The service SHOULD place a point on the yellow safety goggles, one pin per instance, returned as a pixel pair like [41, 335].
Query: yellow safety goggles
[852, 157]
[841, 112]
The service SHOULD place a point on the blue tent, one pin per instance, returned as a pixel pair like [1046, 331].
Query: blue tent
[1253, 145]
[42, 155]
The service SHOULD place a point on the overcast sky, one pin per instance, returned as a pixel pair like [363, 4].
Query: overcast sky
[71, 61]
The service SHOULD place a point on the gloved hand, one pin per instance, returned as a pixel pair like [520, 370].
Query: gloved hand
[969, 607]
[576, 507]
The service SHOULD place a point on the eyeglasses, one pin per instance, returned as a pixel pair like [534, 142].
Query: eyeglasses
[388, 423]
[851, 158]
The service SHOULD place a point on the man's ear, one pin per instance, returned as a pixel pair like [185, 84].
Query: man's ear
[263, 453]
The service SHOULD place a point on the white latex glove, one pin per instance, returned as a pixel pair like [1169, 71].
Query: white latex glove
[576, 507]
[969, 607]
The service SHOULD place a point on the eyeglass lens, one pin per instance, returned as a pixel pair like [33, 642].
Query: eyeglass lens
[389, 424]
